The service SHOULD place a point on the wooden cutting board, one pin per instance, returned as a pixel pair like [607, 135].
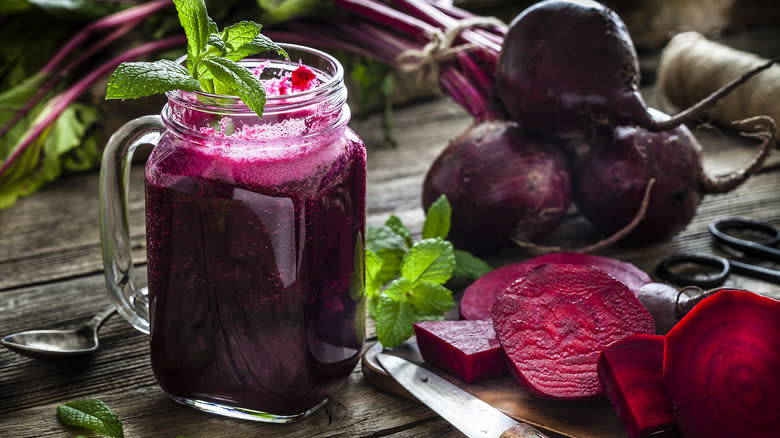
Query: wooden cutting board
[592, 419]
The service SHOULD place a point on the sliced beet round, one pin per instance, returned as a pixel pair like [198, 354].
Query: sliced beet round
[722, 367]
[631, 372]
[479, 297]
[469, 350]
[554, 324]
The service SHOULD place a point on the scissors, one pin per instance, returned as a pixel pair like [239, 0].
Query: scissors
[764, 249]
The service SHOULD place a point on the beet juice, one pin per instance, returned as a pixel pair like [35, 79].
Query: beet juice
[255, 231]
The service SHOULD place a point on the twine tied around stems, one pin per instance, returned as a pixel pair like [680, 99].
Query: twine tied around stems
[441, 47]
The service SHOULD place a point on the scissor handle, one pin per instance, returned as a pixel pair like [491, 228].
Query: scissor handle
[665, 271]
[763, 249]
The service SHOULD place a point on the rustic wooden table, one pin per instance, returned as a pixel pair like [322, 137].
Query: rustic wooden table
[51, 276]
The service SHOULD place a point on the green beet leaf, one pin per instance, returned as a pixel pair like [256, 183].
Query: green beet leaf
[91, 414]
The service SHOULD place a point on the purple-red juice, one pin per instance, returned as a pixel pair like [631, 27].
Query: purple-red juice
[255, 267]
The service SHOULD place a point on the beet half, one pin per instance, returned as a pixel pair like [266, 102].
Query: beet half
[500, 182]
[555, 322]
[722, 367]
[610, 181]
[631, 372]
[479, 297]
[469, 350]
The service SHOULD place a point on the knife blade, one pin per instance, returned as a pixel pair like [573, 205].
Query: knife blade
[470, 415]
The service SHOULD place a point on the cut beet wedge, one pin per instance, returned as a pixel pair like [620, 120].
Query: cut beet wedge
[722, 367]
[554, 324]
[631, 372]
[469, 350]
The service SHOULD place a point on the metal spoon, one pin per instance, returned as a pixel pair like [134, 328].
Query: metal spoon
[53, 343]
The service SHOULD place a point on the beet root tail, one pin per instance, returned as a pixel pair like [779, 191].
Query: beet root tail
[760, 127]
[704, 105]
[537, 249]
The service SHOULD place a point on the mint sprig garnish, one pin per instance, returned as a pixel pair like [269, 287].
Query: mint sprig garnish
[212, 61]
[405, 280]
[91, 414]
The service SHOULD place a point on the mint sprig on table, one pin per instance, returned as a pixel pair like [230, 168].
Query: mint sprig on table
[91, 414]
[212, 62]
[405, 280]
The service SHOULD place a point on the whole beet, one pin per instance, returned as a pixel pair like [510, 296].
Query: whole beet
[501, 182]
[568, 68]
[610, 179]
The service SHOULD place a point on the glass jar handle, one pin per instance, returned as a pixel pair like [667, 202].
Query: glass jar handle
[131, 301]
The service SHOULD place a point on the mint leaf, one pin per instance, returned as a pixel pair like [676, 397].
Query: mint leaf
[91, 414]
[196, 23]
[244, 39]
[394, 322]
[240, 81]
[373, 268]
[395, 224]
[216, 42]
[430, 298]
[390, 248]
[431, 260]
[437, 220]
[139, 79]
[469, 266]
[398, 290]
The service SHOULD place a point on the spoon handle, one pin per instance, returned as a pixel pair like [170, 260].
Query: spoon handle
[101, 316]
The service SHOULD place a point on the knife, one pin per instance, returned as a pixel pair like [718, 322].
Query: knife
[470, 415]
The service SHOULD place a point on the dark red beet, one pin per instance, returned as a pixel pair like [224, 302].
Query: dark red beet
[569, 67]
[479, 297]
[610, 182]
[500, 182]
[722, 367]
[631, 372]
[554, 324]
[469, 350]
[668, 305]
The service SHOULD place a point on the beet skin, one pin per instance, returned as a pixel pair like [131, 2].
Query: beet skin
[569, 67]
[611, 179]
[500, 182]
[554, 324]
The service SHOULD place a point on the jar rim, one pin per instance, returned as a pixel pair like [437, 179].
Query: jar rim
[222, 103]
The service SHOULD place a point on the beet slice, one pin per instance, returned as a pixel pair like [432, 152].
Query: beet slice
[469, 350]
[722, 367]
[631, 372]
[554, 324]
[479, 297]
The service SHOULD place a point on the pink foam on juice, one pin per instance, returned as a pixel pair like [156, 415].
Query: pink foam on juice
[251, 250]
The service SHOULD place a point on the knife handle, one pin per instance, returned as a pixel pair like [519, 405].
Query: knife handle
[522, 430]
